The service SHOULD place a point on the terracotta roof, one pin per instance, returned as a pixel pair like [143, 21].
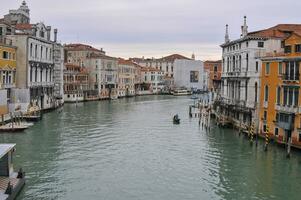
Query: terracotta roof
[170, 58]
[174, 57]
[101, 56]
[280, 31]
[81, 47]
[124, 62]
[212, 62]
[23, 26]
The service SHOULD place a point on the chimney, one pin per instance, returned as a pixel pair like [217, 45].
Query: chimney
[227, 38]
[244, 28]
[55, 35]
[48, 28]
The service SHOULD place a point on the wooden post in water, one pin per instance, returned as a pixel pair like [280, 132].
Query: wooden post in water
[252, 132]
[190, 111]
[2, 116]
[288, 155]
[267, 130]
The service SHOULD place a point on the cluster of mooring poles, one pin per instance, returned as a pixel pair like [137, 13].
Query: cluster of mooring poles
[204, 111]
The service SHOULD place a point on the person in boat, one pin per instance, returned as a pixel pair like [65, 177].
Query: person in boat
[176, 117]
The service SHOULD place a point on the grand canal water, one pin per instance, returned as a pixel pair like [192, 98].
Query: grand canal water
[129, 149]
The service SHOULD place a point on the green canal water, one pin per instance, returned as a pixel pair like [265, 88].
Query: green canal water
[129, 149]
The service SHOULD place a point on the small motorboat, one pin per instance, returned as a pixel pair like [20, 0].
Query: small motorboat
[176, 119]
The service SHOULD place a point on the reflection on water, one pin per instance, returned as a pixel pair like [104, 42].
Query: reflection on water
[130, 149]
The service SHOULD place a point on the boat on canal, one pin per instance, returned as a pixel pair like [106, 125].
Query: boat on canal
[181, 92]
[11, 182]
[176, 119]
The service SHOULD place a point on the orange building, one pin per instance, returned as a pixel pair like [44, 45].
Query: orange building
[214, 69]
[280, 102]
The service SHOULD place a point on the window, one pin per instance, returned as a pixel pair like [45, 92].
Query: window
[264, 128]
[247, 44]
[265, 115]
[282, 44]
[290, 96]
[276, 131]
[278, 94]
[266, 93]
[280, 68]
[299, 136]
[5, 55]
[256, 92]
[260, 44]
[31, 49]
[247, 58]
[287, 49]
[257, 66]
[267, 68]
[298, 48]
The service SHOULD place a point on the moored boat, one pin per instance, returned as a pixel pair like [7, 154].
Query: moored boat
[11, 182]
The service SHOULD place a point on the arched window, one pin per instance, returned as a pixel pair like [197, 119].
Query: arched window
[247, 62]
[36, 51]
[31, 49]
[278, 95]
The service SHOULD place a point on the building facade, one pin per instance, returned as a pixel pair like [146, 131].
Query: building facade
[190, 74]
[152, 80]
[214, 70]
[75, 83]
[238, 103]
[126, 78]
[165, 64]
[35, 56]
[103, 75]
[80, 55]
[8, 66]
[280, 99]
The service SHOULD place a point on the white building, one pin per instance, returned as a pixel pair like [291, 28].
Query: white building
[35, 58]
[154, 78]
[103, 74]
[165, 64]
[241, 68]
[191, 75]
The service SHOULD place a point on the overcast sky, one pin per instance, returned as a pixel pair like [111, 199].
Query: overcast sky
[155, 28]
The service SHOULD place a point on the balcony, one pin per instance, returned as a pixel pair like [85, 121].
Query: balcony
[5, 41]
[291, 77]
[41, 84]
[7, 85]
[288, 109]
[265, 104]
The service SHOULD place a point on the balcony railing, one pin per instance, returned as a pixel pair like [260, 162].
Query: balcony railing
[291, 77]
[5, 41]
[288, 109]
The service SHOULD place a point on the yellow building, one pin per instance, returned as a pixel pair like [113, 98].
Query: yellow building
[126, 78]
[7, 73]
[280, 102]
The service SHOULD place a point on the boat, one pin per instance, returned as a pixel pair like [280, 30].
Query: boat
[194, 97]
[15, 127]
[181, 92]
[176, 119]
[11, 182]
[33, 113]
